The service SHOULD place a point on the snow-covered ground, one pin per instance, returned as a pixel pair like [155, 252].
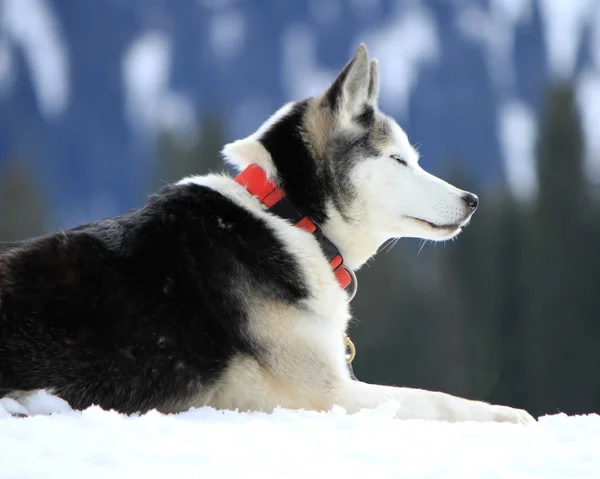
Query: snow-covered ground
[205, 443]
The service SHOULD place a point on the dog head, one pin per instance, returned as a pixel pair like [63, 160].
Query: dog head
[352, 169]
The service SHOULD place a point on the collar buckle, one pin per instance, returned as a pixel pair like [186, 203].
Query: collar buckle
[353, 282]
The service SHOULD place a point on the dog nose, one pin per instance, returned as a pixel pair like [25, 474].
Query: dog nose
[471, 200]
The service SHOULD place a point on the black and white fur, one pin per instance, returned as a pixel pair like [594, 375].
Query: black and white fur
[203, 297]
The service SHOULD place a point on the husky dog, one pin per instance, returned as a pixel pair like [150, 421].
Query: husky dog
[208, 296]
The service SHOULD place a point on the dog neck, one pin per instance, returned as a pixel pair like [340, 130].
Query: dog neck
[255, 180]
[307, 186]
[354, 237]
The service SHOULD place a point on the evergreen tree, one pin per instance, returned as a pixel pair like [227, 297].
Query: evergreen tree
[560, 358]
[391, 319]
[199, 156]
[469, 297]
[506, 288]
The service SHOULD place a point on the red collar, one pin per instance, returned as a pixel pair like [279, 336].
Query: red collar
[272, 196]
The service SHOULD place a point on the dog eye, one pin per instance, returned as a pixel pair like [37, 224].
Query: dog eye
[399, 159]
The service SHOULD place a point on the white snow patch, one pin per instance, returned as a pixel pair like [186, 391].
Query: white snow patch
[564, 24]
[146, 66]
[150, 104]
[588, 99]
[515, 10]
[227, 33]
[292, 444]
[518, 135]
[404, 44]
[302, 77]
[34, 27]
[494, 29]
[177, 113]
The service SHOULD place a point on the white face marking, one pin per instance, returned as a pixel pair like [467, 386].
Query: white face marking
[401, 199]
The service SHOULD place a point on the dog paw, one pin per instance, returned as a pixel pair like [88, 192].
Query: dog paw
[43, 403]
[509, 414]
[25, 404]
[10, 407]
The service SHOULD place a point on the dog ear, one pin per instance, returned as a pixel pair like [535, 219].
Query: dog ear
[355, 86]
[373, 95]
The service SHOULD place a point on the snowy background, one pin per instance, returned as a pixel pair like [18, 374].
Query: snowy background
[86, 86]
[215, 444]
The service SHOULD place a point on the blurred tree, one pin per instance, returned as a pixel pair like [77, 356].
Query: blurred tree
[198, 155]
[21, 205]
[391, 325]
[560, 353]
[480, 300]
[468, 297]
[506, 288]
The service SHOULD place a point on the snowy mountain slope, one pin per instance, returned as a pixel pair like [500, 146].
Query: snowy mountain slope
[85, 86]
[212, 444]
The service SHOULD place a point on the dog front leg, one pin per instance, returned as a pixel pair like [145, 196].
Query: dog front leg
[422, 404]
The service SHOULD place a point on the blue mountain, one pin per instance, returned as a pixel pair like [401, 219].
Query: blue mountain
[86, 86]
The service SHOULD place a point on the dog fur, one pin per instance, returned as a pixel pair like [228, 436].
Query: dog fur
[204, 297]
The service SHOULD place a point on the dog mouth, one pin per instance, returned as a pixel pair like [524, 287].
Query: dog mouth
[444, 227]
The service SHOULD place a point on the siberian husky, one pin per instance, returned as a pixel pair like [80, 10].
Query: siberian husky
[233, 292]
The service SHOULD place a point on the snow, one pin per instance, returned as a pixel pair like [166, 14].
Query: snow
[518, 136]
[227, 33]
[564, 26]
[405, 43]
[494, 30]
[516, 10]
[207, 443]
[301, 75]
[33, 25]
[150, 103]
[588, 100]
